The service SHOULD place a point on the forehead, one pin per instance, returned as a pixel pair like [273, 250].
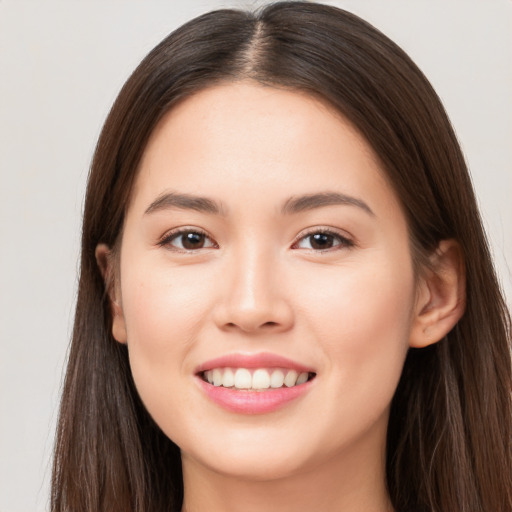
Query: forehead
[246, 135]
[226, 107]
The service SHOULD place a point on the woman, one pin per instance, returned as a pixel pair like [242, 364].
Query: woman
[286, 299]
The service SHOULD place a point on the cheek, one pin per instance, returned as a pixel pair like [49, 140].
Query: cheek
[363, 324]
[163, 309]
[162, 305]
[376, 296]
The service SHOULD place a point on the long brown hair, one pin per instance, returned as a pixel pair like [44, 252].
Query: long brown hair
[449, 439]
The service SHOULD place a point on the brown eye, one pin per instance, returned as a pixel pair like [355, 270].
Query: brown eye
[187, 240]
[192, 240]
[323, 240]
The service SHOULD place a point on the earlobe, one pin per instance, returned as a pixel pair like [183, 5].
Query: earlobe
[441, 296]
[118, 323]
[106, 263]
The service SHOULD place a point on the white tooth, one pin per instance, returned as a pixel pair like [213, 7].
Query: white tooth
[261, 379]
[303, 377]
[277, 379]
[228, 380]
[243, 379]
[291, 378]
[209, 376]
[217, 377]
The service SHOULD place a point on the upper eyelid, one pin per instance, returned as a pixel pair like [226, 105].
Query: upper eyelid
[169, 235]
[324, 229]
[346, 241]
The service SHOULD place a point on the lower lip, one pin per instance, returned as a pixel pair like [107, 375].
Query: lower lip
[253, 402]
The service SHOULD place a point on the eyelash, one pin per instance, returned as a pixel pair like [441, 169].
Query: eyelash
[344, 242]
[169, 237]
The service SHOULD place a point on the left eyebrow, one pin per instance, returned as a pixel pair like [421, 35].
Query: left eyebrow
[298, 204]
[185, 202]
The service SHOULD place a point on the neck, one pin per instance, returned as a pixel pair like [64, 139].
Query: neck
[348, 482]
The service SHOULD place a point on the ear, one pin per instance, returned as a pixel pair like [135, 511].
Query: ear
[441, 296]
[106, 264]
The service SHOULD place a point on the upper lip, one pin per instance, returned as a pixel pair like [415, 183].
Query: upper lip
[261, 360]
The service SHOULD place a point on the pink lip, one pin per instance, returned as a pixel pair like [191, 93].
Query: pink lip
[251, 401]
[261, 360]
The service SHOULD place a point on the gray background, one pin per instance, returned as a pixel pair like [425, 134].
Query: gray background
[61, 66]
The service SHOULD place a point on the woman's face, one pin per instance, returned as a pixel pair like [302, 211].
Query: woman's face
[263, 237]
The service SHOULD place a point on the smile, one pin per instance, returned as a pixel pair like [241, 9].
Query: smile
[256, 379]
[254, 383]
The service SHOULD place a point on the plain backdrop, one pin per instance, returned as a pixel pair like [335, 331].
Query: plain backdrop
[61, 66]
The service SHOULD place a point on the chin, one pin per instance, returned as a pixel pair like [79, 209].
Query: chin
[258, 467]
[251, 458]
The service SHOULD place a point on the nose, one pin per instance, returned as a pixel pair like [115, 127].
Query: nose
[253, 296]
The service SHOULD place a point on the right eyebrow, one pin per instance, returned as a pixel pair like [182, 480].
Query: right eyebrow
[185, 202]
[296, 204]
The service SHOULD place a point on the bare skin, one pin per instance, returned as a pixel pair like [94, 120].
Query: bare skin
[330, 286]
